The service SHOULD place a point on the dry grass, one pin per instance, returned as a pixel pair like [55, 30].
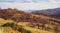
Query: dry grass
[7, 30]
[33, 30]
[25, 26]
[2, 21]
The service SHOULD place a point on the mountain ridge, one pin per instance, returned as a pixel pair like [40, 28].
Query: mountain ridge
[48, 12]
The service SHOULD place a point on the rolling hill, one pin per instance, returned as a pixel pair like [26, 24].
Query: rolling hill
[39, 23]
[55, 13]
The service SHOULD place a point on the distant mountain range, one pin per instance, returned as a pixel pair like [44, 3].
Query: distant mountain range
[48, 12]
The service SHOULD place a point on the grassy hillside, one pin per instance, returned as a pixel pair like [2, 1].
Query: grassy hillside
[22, 22]
[33, 30]
[24, 25]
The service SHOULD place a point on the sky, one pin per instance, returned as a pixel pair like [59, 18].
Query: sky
[30, 4]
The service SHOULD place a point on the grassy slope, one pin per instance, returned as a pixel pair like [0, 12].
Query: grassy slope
[33, 30]
[2, 21]
[24, 24]
[45, 17]
[7, 30]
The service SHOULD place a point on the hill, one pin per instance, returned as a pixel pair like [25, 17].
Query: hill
[55, 13]
[38, 22]
[25, 28]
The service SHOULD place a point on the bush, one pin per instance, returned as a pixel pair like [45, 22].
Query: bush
[8, 24]
[22, 30]
[16, 27]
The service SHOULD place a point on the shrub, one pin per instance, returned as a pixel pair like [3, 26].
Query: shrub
[8, 24]
[22, 30]
[16, 27]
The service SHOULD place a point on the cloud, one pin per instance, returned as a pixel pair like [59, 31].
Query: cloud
[6, 0]
[54, 1]
[31, 1]
[30, 4]
[21, 1]
[27, 6]
[38, 1]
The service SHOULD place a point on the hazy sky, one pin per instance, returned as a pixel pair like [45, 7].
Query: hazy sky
[30, 4]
